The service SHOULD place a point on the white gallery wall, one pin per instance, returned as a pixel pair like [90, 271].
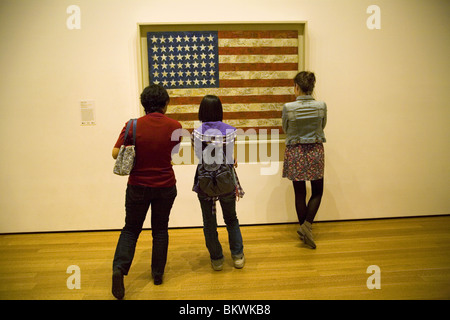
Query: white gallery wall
[387, 91]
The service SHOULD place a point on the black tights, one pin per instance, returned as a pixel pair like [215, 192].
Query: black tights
[307, 212]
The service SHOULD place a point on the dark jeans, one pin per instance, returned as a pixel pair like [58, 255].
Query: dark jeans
[228, 204]
[138, 200]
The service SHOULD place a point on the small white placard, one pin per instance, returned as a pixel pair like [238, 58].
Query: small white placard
[87, 108]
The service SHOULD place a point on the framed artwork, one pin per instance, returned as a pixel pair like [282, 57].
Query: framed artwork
[249, 66]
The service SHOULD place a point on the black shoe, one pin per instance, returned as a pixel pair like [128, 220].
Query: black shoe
[118, 289]
[157, 279]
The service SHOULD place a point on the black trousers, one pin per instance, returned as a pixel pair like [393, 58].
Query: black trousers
[138, 200]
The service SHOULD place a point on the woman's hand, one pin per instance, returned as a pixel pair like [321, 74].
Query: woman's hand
[115, 153]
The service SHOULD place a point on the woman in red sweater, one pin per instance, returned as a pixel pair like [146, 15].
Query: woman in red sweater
[151, 182]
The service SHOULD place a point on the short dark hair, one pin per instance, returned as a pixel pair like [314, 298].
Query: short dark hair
[210, 109]
[154, 98]
[306, 81]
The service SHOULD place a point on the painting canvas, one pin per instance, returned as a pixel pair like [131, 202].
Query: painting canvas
[251, 71]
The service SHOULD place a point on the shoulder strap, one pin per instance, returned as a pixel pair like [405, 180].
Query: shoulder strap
[134, 121]
[126, 132]
[134, 131]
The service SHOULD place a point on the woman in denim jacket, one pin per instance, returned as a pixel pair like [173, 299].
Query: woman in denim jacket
[304, 159]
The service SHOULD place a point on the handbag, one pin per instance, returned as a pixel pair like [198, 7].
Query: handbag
[127, 154]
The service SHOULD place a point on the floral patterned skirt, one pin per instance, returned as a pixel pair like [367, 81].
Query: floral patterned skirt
[304, 162]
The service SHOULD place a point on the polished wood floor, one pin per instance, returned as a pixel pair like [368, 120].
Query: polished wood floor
[413, 255]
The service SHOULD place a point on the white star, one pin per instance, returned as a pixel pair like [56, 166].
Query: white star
[202, 47]
[178, 39]
[186, 38]
[204, 81]
[210, 47]
[211, 56]
[196, 82]
[163, 40]
[194, 39]
[210, 38]
[154, 39]
[212, 81]
[170, 39]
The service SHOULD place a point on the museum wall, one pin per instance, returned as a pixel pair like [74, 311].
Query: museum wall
[387, 92]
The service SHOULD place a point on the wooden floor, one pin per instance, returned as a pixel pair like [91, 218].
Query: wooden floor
[413, 255]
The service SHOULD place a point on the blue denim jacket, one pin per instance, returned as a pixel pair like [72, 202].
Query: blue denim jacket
[304, 120]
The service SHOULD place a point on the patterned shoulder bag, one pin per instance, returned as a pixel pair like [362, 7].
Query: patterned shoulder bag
[126, 158]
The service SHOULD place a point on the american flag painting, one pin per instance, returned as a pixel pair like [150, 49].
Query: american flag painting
[251, 71]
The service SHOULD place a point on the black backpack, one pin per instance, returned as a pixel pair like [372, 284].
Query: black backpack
[215, 179]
